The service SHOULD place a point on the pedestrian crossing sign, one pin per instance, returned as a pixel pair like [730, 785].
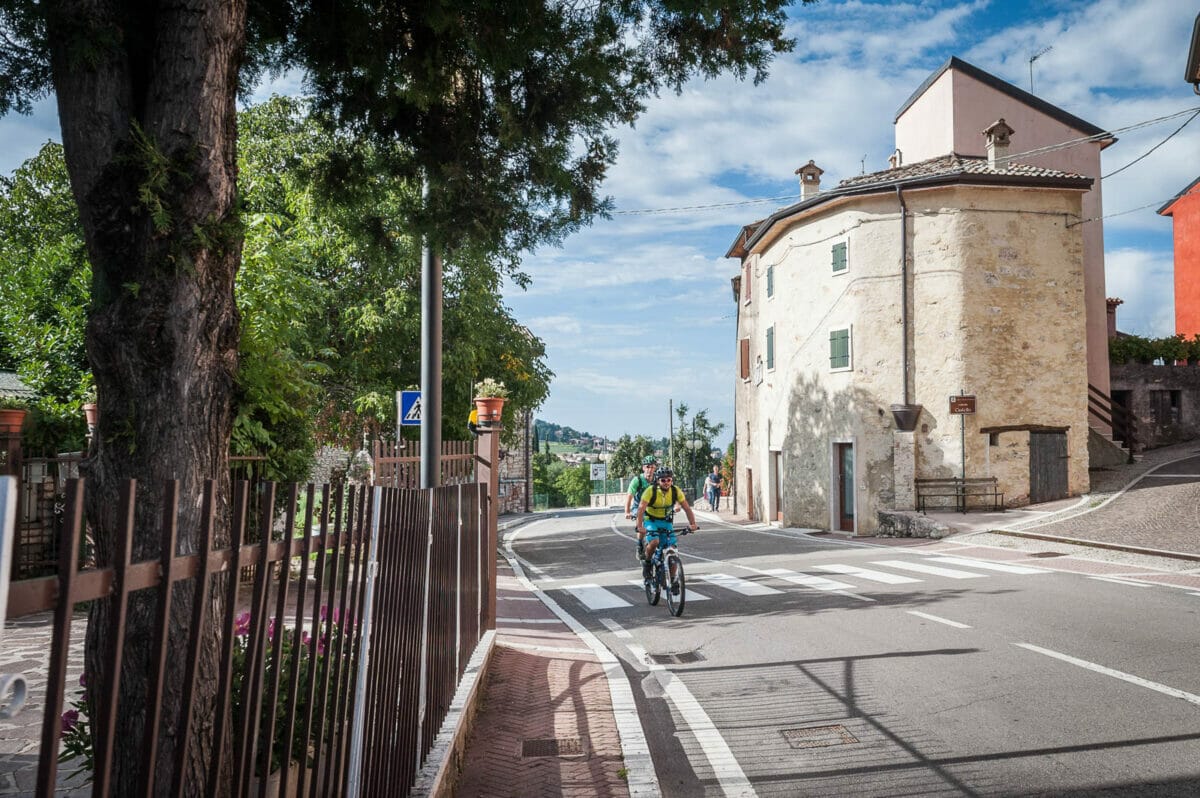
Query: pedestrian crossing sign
[410, 408]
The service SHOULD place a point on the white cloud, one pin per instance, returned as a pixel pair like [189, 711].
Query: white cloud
[1145, 281]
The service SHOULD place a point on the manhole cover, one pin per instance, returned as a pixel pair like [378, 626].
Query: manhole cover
[555, 746]
[1049, 554]
[819, 736]
[686, 658]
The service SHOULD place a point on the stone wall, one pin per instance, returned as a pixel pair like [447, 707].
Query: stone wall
[328, 460]
[1155, 428]
[514, 469]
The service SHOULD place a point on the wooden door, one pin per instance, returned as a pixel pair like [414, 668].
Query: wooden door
[750, 494]
[844, 485]
[777, 459]
[1047, 466]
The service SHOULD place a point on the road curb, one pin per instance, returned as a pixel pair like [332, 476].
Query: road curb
[1097, 544]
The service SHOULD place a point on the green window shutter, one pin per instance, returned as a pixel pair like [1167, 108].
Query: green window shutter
[839, 257]
[770, 281]
[839, 349]
[771, 347]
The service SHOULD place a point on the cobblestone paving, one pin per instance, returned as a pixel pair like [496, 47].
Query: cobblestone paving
[27, 651]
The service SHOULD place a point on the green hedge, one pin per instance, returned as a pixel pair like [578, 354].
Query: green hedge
[1136, 349]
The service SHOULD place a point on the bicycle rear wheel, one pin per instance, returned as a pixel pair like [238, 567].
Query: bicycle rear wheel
[654, 586]
[676, 589]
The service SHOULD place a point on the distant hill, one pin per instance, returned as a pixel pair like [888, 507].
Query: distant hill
[547, 431]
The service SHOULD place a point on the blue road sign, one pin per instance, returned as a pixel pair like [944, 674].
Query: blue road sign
[410, 408]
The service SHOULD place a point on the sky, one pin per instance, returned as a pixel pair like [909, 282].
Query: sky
[637, 311]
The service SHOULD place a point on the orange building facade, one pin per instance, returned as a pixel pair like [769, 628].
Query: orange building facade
[1184, 211]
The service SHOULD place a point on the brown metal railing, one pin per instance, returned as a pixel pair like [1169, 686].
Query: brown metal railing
[396, 469]
[428, 618]
[262, 640]
[288, 708]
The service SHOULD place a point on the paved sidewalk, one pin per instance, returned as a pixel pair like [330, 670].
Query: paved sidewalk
[547, 725]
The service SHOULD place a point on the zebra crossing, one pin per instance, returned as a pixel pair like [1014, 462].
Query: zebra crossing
[852, 577]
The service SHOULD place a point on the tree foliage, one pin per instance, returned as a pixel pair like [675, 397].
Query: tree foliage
[44, 297]
[626, 460]
[691, 446]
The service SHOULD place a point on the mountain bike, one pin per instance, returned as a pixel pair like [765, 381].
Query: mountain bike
[664, 561]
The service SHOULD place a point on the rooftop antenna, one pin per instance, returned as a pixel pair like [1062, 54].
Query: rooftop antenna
[1033, 58]
[863, 166]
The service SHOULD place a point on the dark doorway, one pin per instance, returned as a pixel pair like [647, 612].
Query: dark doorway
[1047, 466]
[777, 467]
[843, 454]
[750, 494]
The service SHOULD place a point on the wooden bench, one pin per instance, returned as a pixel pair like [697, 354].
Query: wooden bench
[961, 491]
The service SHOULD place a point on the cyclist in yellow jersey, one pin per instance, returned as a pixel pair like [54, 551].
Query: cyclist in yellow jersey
[656, 511]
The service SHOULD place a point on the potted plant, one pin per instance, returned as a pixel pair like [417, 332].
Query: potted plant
[91, 411]
[13, 410]
[489, 400]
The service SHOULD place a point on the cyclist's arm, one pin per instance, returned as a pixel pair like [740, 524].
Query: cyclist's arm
[641, 513]
[628, 503]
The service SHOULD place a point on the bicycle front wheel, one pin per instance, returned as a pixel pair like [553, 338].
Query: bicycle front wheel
[676, 590]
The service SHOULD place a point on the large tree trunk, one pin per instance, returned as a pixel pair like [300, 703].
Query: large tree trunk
[146, 95]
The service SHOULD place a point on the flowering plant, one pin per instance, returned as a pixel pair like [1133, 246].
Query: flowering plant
[329, 645]
[77, 742]
[77, 733]
[490, 388]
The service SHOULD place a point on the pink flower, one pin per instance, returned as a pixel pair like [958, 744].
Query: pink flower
[69, 719]
[324, 612]
[241, 625]
[83, 680]
[304, 638]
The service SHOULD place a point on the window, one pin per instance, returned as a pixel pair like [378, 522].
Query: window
[839, 257]
[771, 347]
[1164, 407]
[771, 280]
[744, 358]
[839, 349]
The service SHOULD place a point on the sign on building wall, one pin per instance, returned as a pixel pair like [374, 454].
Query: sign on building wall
[599, 470]
[962, 405]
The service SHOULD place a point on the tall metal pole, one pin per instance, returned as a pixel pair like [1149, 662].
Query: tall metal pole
[431, 361]
[671, 432]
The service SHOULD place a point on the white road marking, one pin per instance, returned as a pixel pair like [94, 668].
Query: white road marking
[807, 580]
[929, 617]
[743, 586]
[725, 766]
[867, 573]
[990, 566]
[922, 568]
[595, 597]
[516, 598]
[691, 595]
[527, 620]
[1125, 677]
[615, 628]
[1118, 581]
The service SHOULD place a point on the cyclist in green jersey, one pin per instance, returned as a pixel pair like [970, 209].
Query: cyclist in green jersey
[637, 486]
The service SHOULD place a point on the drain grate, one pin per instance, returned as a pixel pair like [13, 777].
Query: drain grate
[685, 658]
[554, 746]
[819, 736]
[1048, 554]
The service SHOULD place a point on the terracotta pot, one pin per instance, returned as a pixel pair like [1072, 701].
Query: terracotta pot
[489, 409]
[91, 411]
[11, 421]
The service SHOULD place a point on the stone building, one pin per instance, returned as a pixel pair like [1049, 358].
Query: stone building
[862, 310]
[516, 474]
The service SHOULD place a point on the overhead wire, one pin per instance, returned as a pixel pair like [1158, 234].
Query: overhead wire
[1107, 134]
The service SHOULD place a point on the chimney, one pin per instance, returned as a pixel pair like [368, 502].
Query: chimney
[896, 159]
[810, 179]
[1112, 315]
[996, 138]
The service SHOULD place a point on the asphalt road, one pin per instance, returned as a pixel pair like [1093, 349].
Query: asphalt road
[807, 666]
